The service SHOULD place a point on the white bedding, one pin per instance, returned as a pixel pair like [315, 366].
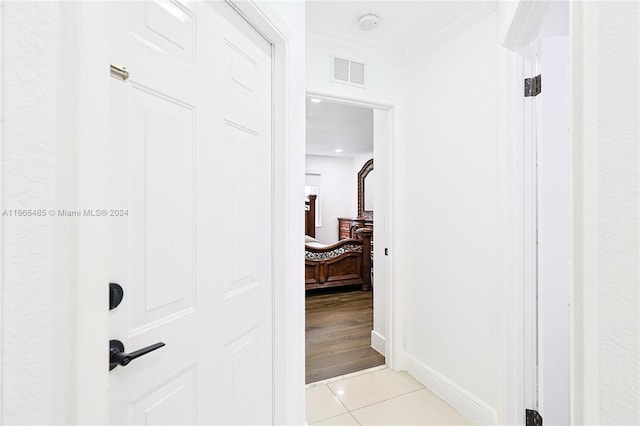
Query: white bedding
[312, 242]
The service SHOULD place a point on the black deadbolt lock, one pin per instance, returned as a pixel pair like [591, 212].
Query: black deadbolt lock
[116, 293]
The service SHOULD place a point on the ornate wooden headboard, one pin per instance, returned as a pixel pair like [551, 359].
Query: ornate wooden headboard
[310, 216]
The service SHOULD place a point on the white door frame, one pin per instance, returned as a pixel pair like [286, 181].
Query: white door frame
[91, 355]
[520, 262]
[1, 205]
[390, 344]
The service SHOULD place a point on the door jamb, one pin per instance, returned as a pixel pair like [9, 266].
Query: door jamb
[520, 223]
[1, 230]
[92, 333]
[391, 343]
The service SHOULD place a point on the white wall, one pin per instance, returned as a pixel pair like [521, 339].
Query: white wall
[606, 200]
[37, 173]
[451, 286]
[338, 193]
[382, 69]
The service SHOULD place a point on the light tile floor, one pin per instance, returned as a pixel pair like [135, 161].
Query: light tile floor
[378, 396]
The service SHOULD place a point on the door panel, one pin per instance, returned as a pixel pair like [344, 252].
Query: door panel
[189, 160]
[163, 230]
[170, 26]
[243, 152]
[171, 403]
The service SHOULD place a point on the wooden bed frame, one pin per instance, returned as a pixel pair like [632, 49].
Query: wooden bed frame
[338, 264]
[310, 216]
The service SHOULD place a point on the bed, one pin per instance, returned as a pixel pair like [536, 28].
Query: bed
[338, 264]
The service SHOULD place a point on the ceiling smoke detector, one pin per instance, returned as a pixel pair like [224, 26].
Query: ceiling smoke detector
[369, 22]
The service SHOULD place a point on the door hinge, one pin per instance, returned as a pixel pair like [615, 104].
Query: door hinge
[119, 71]
[532, 86]
[533, 418]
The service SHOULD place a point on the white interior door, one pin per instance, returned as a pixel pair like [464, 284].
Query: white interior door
[190, 169]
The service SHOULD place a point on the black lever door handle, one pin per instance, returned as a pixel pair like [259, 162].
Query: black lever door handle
[117, 355]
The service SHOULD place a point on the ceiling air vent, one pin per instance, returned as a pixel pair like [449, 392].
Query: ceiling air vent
[356, 74]
[340, 69]
[346, 71]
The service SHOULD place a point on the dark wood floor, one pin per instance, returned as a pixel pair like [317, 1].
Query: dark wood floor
[338, 326]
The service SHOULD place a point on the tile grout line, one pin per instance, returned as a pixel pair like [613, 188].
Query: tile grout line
[385, 400]
[341, 403]
[355, 418]
[338, 415]
[334, 394]
[326, 382]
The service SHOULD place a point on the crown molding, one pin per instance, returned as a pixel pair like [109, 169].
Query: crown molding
[411, 52]
[455, 26]
[346, 41]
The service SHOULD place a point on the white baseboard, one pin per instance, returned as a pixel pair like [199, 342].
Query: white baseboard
[378, 342]
[476, 410]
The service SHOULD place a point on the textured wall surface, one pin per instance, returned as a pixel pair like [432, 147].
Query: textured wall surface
[37, 270]
[619, 213]
[607, 212]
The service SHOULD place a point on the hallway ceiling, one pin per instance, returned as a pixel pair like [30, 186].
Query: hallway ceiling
[332, 125]
[407, 26]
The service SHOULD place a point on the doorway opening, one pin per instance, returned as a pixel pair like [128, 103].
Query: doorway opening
[346, 166]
